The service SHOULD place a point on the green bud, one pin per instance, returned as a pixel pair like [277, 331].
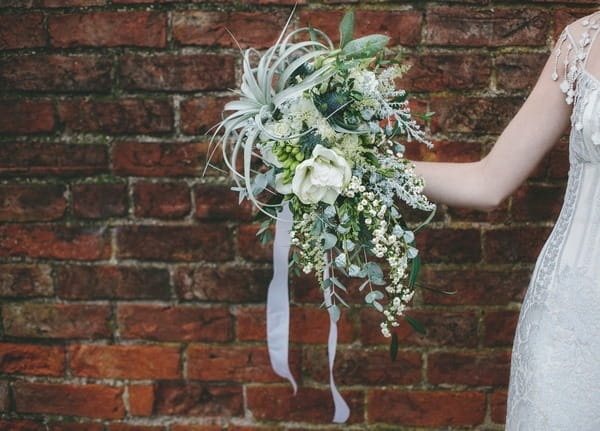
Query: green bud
[299, 156]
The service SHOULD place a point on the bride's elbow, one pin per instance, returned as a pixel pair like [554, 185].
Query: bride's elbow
[490, 199]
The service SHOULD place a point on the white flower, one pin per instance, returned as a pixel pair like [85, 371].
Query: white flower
[322, 177]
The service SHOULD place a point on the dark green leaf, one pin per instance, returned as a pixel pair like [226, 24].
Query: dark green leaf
[417, 326]
[394, 347]
[414, 271]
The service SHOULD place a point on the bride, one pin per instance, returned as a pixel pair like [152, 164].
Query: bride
[555, 365]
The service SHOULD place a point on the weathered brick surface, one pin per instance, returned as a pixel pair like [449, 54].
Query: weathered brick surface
[32, 359]
[359, 367]
[233, 364]
[427, 408]
[133, 287]
[501, 27]
[126, 362]
[164, 323]
[228, 284]
[56, 73]
[175, 243]
[105, 29]
[177, 72]
[141, 399]
[150, 159]
[89, 400]
[259, 30]
[47, 320]
[26, 116]
[36, 159]
[198, 399]
[25, 280]
[168, 200]
[97, 201]
[200, 114]
[22, 31]
[309, 405]
[54, 241]
[105, 281]
[31, 203]
[127, 116]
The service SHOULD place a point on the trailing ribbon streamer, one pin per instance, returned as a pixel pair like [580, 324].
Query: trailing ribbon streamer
[278, 315]
[278, 302]
[342, 411]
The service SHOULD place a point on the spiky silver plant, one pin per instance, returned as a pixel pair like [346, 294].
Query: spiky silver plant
[265, 87]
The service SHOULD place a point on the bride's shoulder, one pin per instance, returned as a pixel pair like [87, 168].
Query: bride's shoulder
[580, 30]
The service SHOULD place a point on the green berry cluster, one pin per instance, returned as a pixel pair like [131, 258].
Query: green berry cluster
[290, 157]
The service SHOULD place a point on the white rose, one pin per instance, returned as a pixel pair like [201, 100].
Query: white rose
[322, 177]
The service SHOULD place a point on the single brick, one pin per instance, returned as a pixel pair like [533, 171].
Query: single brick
[95, 201]
[106, 29]
[125, 362]
[174, 323]
[39, 202]
[177, 72]
[89, 400]
[47, 320]
[111, 282]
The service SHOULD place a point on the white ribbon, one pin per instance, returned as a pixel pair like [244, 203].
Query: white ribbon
[278, 302]
[278, 315]
[342, 411]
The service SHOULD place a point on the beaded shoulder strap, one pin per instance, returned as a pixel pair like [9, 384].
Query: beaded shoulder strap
[573, 57]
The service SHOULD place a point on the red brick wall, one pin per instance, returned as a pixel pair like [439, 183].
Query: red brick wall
[132, 289]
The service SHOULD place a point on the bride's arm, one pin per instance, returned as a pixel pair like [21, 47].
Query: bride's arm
[538, 125]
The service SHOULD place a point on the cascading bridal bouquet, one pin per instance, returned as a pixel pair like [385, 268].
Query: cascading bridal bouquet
[313, 143]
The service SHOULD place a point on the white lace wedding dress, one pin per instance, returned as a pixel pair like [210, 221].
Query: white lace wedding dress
[555, 366]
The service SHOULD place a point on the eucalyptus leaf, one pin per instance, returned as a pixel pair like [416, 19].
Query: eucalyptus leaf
[340, 260]
[362, 286]
[377, 306]
[329, 240]
[334, 312]
[374, 271]
[349, 245]
[339, 284]
[346, 28]
[409, 236]
[366, 46]
[354, 271]
[373, 296]
[317, 227]
[343, 230]
[329, 211]
[339, 298]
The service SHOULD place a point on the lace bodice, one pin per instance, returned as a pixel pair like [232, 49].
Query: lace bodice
[581, 86]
